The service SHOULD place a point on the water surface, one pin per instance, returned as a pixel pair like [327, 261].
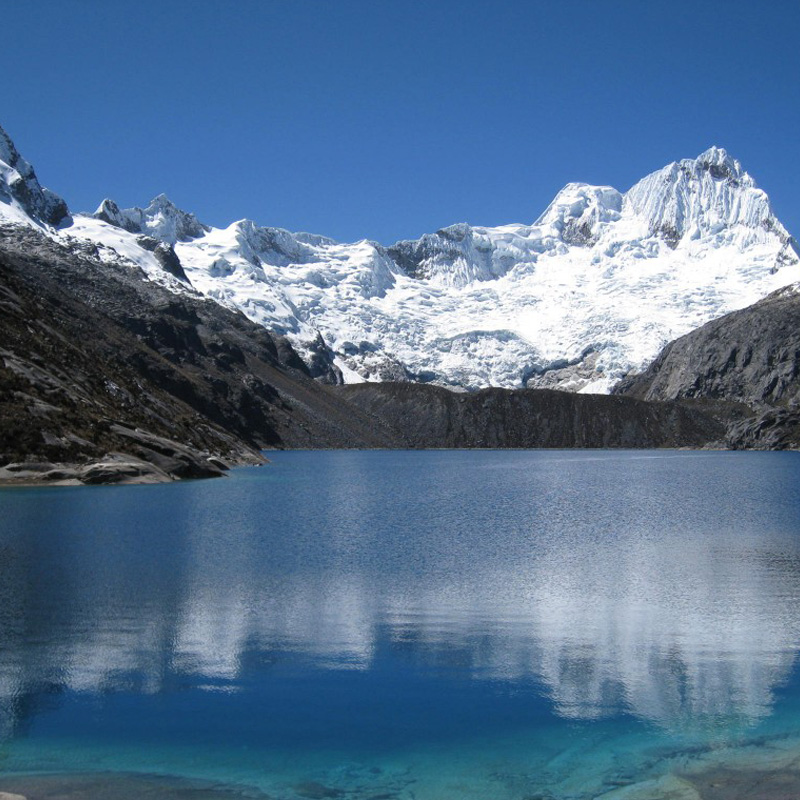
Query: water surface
[408, 625]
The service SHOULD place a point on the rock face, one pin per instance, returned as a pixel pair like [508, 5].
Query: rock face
[20, 188]
[430, 416]
[170, 461]
[165, 255]
[94, 359]
[751, 357]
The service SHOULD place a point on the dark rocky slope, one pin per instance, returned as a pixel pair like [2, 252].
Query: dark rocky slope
[751, 357]
[430, 416]
[95, 359]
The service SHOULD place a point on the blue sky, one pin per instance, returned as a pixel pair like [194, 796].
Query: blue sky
[386, 120]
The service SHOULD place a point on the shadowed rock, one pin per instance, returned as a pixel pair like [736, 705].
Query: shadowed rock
[751, 357]
[96, 359]
[430, 416]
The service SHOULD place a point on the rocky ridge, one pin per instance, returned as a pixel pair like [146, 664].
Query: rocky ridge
[434, 417]
[21, 192]
[98, 364]
[751, 357]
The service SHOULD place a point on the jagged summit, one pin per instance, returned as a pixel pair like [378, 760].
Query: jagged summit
[8, 153]
[578, 210]
[20, 189]
[710, 195]
[688, 200]
[717, 160]
[162, 220]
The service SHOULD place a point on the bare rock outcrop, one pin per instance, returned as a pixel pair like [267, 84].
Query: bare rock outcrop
[750, 357]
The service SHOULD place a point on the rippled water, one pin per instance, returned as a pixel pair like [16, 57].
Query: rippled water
[411, 625]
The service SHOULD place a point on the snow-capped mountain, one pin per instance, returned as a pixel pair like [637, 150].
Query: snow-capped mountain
[22, 198]
[161, 220]
[591, 290]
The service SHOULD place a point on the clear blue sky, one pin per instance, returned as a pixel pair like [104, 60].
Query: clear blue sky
[387, 119]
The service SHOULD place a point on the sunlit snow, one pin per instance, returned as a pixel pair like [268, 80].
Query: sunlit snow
[590, 291]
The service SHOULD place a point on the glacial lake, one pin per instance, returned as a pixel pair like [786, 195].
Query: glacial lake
[409, 626]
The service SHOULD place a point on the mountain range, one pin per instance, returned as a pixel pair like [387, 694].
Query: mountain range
[234, 339]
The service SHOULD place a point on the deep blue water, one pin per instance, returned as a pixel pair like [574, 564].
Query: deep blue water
[411, 625]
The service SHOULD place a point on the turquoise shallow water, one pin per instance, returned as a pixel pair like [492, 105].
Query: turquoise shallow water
[411, 625]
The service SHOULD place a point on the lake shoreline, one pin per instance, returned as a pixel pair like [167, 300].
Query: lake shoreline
[117, 469]
[120, 469]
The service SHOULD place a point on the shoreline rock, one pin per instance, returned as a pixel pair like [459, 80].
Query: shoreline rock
[157, 460]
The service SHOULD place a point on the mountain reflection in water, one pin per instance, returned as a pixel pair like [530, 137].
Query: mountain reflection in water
[664, 587]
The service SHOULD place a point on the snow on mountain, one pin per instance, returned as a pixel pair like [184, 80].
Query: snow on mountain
[590, 291]
[22, 198]
[161, 220]
[24, 201]
[711, 195]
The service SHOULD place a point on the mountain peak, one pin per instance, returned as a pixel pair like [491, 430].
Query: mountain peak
[10, 155]
[577, 211]
[715, 155]
[162, 202]
[710, 195]
[721, 165]
[162, 220]
[20, 188]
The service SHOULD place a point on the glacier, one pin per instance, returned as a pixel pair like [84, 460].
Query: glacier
[576, 300]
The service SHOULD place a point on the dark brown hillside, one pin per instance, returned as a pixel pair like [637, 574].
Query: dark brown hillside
[429, 416]
[87, 347]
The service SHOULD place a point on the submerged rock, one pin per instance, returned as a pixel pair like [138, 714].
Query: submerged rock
[316, 791]
[746, 784]
[670, 787]
[120, 786]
